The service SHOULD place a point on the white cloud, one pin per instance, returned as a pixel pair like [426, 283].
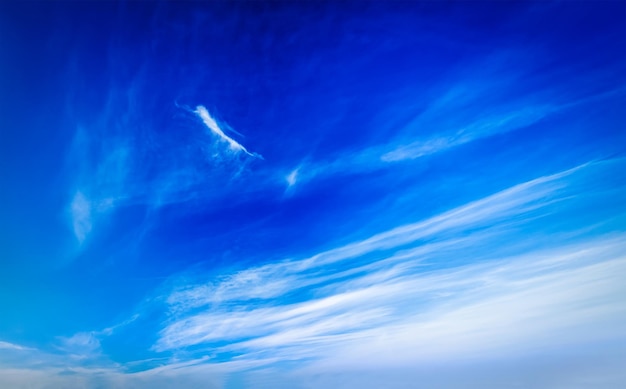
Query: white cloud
[118, 165]
[275, 279]
[292, 177]
[407, 146]
[12, 346]
[112, 329]
[81, 216]
[481, 128]
[406, 294]
[444, 125]
[101, 167]
[504, 313]
[84, 211]
[549, 299]
[399, 302]
[212, 125]
[82, 344]
[546, 300]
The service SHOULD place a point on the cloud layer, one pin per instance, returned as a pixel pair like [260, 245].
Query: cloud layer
[441, 291]
[414, 293]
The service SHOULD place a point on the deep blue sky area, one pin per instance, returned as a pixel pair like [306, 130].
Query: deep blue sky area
[312, 194]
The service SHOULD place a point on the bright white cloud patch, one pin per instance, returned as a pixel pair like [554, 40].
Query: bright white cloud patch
[212, 125]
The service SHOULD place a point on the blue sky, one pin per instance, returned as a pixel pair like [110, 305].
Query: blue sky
[313, 194]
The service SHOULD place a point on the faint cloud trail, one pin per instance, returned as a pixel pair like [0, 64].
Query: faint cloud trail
[81, 216]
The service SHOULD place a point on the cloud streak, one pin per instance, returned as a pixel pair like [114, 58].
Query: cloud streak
[455, 118]
[151, 169]
[519, 202]
[409, 147]
[482, 128]
[439, 304]
[416, 292]
[212, 125]
[12, 346]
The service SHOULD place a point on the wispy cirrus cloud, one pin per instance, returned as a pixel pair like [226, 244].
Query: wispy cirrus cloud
[12, 346]
[461, 112]
[520, 202]
[212, 125]
[82, 345]
[85, 211]
[87, 344]
[71, 361]
[482, 128]
[419, 139]
[81, 216]
[117, 168]
[422, 318]
[416, 289]
[292, 177]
